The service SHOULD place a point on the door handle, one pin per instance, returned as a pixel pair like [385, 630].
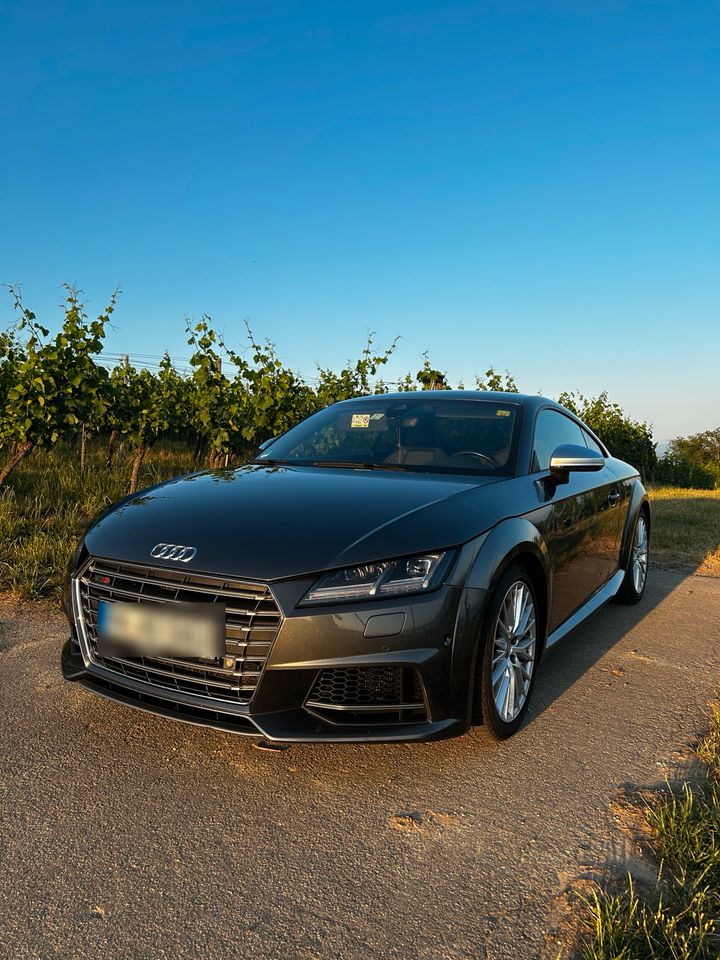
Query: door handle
[613, 497]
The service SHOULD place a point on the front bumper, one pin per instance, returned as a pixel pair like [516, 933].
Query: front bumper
[433, 644]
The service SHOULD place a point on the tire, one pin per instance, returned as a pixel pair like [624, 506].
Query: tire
[633, 586]
[507, 656]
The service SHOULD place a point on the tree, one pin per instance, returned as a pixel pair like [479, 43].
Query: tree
[144, 406]
[272, 398]
[213, 401]
[354, 379]
[430, 379]
[50, 385]
[700, 448]
[492, 380]
[11, 355]
[692, 461]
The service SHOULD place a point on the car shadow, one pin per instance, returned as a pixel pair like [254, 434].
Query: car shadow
[583, 647]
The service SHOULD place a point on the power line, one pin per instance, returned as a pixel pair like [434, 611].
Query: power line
[182, 365]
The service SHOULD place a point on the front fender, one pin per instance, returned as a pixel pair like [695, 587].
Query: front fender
[502, 545]
[492, 553]
[638, 498]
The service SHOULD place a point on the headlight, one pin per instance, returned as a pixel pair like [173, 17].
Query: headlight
[384, 579]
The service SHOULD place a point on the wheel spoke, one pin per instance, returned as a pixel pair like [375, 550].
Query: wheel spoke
[530, 626]
[520, 678]
[501, 694]
[519, 607]
[525, 650]
[527, 612]
[510, 704]
[498, 672]
[522, 608]
[508, 617]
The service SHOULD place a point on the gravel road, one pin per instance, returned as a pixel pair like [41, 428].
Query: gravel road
[126, 836]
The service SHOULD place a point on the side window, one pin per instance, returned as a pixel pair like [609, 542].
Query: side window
[592, 444]
[551, 429]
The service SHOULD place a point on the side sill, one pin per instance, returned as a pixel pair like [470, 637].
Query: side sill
[590, 606]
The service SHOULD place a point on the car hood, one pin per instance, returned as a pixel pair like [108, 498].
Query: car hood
[270, 523]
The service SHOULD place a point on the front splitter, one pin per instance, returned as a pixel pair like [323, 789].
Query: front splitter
[285, 726]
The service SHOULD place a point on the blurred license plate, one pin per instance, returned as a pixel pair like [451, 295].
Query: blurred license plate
[190, 630]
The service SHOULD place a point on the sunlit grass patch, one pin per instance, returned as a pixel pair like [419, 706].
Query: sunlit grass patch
[686, 528]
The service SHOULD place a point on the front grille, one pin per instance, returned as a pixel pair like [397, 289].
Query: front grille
[385, 693]
[252, 619]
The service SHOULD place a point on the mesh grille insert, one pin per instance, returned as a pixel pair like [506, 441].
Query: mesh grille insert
[385, 693]
[358, 686]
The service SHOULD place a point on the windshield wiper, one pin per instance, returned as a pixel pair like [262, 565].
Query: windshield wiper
[327, 463]
[357, 466]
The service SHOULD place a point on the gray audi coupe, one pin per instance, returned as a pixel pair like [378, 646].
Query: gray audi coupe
[392, 568]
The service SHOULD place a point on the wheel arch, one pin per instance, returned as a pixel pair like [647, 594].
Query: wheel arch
[639, 502]
[514, 541]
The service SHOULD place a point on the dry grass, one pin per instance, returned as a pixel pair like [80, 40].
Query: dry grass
[46, 506]
[686, 528]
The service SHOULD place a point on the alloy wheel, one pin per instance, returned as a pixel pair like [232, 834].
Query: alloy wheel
[514, 647]
[640, 554]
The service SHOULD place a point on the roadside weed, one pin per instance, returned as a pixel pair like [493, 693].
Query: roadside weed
[680, 918]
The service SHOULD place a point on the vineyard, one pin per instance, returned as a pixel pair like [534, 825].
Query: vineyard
[78, 430]
[59, 388]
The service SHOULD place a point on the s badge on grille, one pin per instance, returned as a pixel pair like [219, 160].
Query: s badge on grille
[173, 551]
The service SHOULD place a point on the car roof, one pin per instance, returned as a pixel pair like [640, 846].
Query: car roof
[527, 400]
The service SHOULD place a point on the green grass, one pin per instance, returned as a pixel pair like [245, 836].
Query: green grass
[680, 918]
[46, 506]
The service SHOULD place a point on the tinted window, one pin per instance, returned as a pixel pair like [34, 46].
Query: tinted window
[436, 435]
[593, 444]
[552, 429]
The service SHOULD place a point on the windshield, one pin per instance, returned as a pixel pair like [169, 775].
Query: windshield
[433, 435]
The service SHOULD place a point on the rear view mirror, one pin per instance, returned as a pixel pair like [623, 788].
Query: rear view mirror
[569, 457]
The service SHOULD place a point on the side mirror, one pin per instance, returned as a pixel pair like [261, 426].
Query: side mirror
[570, 457]
[266, 443]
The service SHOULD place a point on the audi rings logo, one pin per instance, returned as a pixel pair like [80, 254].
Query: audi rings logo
[173, 551]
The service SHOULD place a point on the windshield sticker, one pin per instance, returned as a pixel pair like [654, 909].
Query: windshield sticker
[502, 413]
[361, 420]
[377, 416]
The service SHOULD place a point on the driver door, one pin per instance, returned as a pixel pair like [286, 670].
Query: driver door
[576, 533]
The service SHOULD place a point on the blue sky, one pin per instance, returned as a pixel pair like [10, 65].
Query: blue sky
[532, 185]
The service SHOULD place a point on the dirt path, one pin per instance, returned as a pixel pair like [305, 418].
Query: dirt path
[126, 836]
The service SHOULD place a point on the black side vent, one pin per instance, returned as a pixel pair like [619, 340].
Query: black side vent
[378, 694]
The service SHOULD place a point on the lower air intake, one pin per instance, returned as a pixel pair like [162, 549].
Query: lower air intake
[379, 694]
